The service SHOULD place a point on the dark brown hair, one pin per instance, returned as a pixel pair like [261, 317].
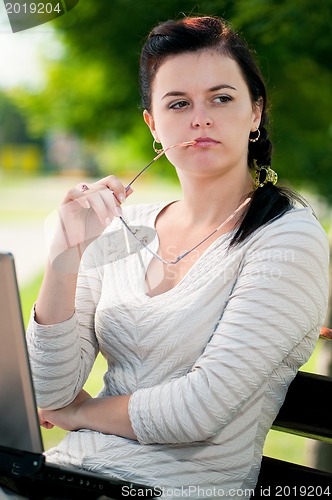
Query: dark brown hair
[193, 34]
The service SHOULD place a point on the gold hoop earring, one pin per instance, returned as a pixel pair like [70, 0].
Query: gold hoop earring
[256, 138]
[156, 150]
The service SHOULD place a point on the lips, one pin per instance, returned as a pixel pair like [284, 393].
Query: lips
[205, 142]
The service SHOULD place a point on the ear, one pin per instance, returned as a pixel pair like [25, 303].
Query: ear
[257, 114]
[148, 118]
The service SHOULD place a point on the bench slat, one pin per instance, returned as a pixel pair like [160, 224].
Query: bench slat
[307, 410]
[285, 479]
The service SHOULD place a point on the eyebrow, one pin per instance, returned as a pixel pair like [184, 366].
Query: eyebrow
[174, 93]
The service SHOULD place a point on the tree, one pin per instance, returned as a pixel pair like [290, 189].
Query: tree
[294, 42]
[13, 128]
[94, 88]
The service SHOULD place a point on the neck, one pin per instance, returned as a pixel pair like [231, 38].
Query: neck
[207, 202]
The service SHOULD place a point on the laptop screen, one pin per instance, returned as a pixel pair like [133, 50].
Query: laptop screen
[19, 426]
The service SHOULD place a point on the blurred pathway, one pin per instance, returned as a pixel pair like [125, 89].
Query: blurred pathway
[24, 206]
[26, 242]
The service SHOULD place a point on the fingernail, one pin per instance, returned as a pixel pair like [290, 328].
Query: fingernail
[87, 204]
[118, 211]
[107, 221]
[122, 198]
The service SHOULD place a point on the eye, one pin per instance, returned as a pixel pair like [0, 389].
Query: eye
[222, 99]
[178, 105]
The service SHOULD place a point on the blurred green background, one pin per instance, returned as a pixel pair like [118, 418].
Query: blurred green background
[86, 113]
[83, 119]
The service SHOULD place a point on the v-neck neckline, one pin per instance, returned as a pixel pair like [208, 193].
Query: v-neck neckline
[178, 285]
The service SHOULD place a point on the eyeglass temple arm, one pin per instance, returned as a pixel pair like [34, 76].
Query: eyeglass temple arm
[188, 143]
[143, 170]
[181, 256]
[243, 204]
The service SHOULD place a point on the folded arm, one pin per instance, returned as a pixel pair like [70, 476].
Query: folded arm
[106, 415]
[271, 323]
[272, 320]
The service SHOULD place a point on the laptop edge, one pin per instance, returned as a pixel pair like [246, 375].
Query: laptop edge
[23, 468]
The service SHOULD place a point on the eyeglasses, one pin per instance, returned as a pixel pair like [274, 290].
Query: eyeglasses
[186, 252]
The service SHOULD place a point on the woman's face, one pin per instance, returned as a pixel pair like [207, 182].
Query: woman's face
[203, 96]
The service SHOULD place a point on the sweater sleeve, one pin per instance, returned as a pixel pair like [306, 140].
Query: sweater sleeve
[270, 323]
[62, 355]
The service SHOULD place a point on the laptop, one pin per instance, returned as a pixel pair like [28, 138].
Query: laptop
[23, 468]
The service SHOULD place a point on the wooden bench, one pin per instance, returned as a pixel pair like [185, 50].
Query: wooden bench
[307, 412]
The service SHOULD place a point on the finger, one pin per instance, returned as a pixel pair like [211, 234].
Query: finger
[114, 184]
[75, 194]
[102, 202]
[43, 422]
[47, 425]
[82, 200]
[111, 203]
[129, 191]
[84, 187]
[98, 196]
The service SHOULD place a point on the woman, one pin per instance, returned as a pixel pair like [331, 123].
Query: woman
[200, 353]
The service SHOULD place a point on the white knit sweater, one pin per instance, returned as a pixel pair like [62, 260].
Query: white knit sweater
[208, 363]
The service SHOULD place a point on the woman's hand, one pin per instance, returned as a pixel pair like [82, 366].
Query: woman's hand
[65, 418]
[108, 415]
[85, 212]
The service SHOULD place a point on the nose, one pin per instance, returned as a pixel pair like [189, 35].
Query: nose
[202, 120]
